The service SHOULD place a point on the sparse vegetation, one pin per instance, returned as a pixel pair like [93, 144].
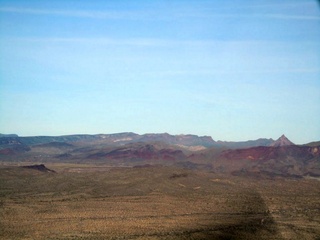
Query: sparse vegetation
[91, 202]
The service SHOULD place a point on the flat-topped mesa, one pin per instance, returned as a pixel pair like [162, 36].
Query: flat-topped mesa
[282, 141]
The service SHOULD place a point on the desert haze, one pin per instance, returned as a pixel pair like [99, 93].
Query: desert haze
[157, 186]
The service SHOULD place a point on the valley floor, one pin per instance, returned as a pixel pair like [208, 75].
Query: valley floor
[96, 202]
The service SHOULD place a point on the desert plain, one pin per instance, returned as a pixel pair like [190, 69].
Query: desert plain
[87, 201]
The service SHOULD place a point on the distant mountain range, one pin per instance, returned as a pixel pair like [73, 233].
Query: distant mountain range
[188, 140]
[276, 157]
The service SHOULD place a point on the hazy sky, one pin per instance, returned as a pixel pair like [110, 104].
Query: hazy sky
[234, 70]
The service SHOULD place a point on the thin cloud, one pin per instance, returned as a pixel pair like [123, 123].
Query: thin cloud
[75, 13]
[150, 14]
[272, 16]
[151, 42]
[102, 41]
[305, 70]
[270, 6]
[291, 17]
[215, 72]
[282, 5]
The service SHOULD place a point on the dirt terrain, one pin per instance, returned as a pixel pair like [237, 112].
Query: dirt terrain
[154, 202]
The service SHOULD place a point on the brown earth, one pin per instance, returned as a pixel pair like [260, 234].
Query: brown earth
[101, 202]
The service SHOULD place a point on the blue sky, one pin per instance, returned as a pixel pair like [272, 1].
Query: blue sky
[234, 70]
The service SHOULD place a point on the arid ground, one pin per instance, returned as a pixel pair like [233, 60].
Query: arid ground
[99, 202]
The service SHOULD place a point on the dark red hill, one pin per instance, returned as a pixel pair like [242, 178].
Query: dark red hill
[285, 161]
[268, 153]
